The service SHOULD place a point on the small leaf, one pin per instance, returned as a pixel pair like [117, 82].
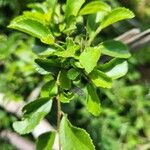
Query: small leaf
[32, 27]
[93, 7]
[49, 89]
[70, 52]
[66, 97]
[34, 112]
[72, 74]
[63, 80]
[115, 68]
[93, 102]
[73, 7]
[45, 141]
[100, 79]
[116, 15]
[115, 49]
[89, 58]
[73, 138]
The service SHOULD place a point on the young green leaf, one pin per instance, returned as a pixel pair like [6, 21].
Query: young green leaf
[49, 89]
[72, 74]
[93, 102]
[73, 138]
[66, 97]
[116, 15]
[34, 112]
[69, 52]
[32, 27]
[63, 80]
[93, 7]
[89, 58]
[100, 79]
[115, 68]
[45, 141]
[115, 49]
[73, 7]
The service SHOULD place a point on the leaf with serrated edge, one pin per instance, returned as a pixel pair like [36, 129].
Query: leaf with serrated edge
[73, 138]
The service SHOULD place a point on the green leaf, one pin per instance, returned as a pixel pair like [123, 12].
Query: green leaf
[66, 97]
[44, 66]
[93, 102]
[32, 27]
[72, 74]
[100, 79]
[51, 3]
[45, 141]
[73, 7]
[69, 52]
[115, 49]
[63, 80]
[89, 58]
[34, 112]
[93, 22]
[36, 15]
[115, 68]
[116, 15]
[73, 138]
[49, 89]
[93, 7]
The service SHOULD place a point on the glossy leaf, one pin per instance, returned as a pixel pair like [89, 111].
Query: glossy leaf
[115, 49]
[45, 66]
[45, 141]
[100, 79]
[115, 68]
[116, 15]
[93, 7]
[73, 138]
[89, 58]
[34, 112]
[73, 7]
[93, 102]
[32, 27]
[63, 80]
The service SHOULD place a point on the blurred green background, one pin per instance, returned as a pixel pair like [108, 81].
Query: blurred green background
[124, 123]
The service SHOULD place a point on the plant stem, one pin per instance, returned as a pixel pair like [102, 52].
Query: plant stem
[58, 118]
[92, 37]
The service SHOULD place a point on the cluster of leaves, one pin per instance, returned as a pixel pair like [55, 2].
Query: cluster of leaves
[15, 55]
[72, 60]
[124, 120]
